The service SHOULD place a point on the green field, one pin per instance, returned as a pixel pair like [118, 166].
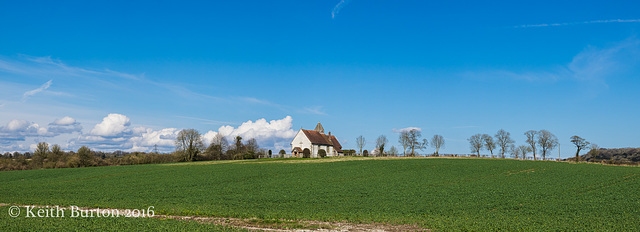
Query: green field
[435, 193]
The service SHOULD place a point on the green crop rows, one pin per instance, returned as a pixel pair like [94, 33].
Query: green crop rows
[443, 194]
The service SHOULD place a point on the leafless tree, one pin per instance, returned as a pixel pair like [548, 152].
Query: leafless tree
[404, 141]
[380, 143]
[413, 141]
[515, 153]
[580, 144]
[220, 140]
[437, 142]
[504, 141]
[360, 142]
[547, 142]
[489, 143]
[477, 143]
[532, 141]
[524, 149]
[595, 149]
[252, 145]
[217, 148]
[189, 143]
[393, 151]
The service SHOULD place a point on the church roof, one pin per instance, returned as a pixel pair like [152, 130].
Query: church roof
[336, 144]
[320, 138]
[316, 137]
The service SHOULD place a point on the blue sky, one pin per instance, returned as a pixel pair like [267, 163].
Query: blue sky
[130, 74]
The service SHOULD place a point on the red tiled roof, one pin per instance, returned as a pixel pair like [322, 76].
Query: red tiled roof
[336, 144]
[318, 138]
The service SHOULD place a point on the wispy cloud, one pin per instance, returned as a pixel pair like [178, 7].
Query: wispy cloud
[314, 110]
[591, 68]
[338, 7]
[579, 23]
[30, 93]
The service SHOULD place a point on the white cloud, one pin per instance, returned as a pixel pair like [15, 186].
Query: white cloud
[18, 131]
[65, 125]
[30, 93]
[115, 132]
[112, 126]
[406, 129]
[208, 137]
[17, 125]
[164, 138]
[272, 134]
[64, 121]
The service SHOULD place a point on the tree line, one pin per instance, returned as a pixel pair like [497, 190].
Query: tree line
[46, 157]
[189, 147]
[543, 141]
[410, 140]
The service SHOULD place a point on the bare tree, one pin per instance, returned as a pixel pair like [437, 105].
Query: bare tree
[189, 143]
[580, 144]
[380, 143]
[360, 142]
[504, 141]
[404, 141]
[393, 151]
[524, 149]
[531, 140]
[515, 153]
[413, 141]
[437, 142]
[424, 145]
[595, 150]
[217, 148]
[252, 145]
[476, 143]
[489, 143]
[547, 142]
[220, 140]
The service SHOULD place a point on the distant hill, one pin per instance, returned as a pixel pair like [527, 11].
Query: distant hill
[615, 155]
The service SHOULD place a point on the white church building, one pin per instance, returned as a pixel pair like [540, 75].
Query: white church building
[314, 141]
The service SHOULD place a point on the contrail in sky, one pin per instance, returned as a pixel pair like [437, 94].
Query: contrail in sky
[338, 7]
[35, 91]
[578, 23]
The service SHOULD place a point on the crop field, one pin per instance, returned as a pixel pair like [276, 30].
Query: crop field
[432, 193]
[102, 224]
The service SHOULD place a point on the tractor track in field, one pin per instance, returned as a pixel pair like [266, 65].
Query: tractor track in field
[255, 224]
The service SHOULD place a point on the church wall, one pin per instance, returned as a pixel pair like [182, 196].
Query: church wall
[301, 141]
